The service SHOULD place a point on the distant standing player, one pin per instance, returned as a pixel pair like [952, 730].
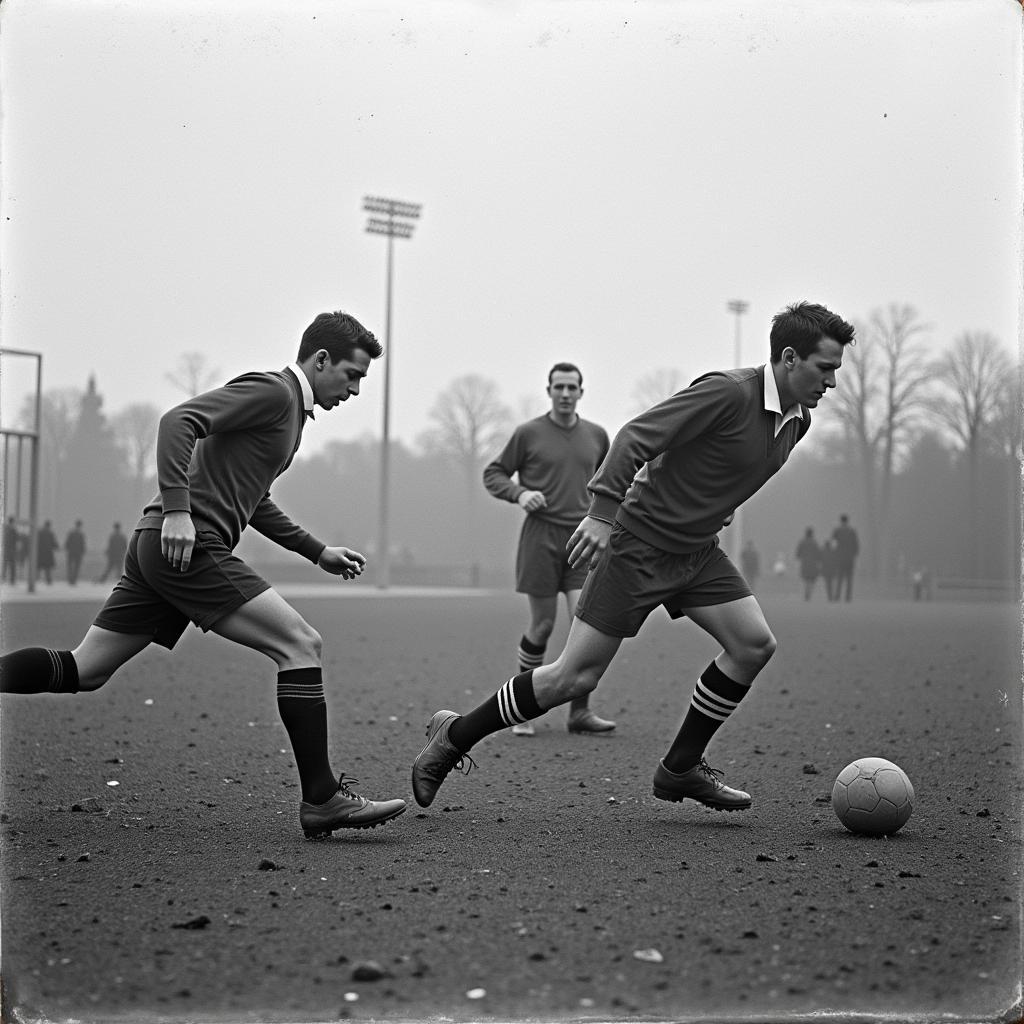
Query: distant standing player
[673, 477]
[552, 458]
[217, 455]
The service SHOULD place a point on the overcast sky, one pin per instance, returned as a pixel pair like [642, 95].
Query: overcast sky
[598, 180]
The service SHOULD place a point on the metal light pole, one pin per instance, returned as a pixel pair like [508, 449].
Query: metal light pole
[395, 222]
[739, 307]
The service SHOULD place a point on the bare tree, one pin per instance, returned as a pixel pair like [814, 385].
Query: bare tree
[59, 409]
[882, 389]
[193, 374]
[135, 429]
[654, 387]
[972, 375]
[470, 425]
[1006, 434]
[470, 421]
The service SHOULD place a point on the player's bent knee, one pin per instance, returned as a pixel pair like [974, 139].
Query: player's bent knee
[307, 644]
[541, 630]
[762, 649]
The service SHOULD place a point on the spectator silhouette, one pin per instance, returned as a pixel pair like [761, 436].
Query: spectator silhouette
[808, 554]
[74, 551]
[829, 567]
[47, 547]
[117, 548]
[847, 549]
[750, 563]
[11, 542]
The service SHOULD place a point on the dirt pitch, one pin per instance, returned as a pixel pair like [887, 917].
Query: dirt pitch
[187, 893]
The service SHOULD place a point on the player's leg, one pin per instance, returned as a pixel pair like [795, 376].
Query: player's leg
[87, 667]
[577, 671]
[747, 645]
[131, 618]
[533, 644]
[268, 624]
[581, 718]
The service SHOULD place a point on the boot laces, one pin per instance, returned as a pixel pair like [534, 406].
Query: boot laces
[344, 782]
[714, 774]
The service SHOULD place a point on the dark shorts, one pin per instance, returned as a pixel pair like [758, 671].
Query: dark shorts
[632, 578]
[542, 565]
[155, 599]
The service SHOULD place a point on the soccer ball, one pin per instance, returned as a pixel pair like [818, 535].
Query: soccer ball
[873, 797]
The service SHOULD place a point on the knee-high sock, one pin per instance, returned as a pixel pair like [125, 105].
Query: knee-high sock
[715, 698]
[303, 709]
[38, 670]
[530, 655]
[515, 702]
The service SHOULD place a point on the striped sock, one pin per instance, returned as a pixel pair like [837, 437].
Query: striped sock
[715, 698]
[531, 655]
[38, 670]
[513, 703]
[303, 709]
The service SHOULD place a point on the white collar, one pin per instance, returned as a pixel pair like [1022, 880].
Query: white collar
[307, 388]
[772, 402]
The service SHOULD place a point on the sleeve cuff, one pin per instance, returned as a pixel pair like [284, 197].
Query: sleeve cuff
[604, 507]
[175, 499]
[311, 548]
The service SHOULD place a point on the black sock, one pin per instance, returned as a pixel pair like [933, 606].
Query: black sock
[530, 655]
[512, 704]
[303, 709]
[714, 699]
[38, 670]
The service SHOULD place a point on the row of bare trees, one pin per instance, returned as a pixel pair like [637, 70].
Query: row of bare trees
[893, 389]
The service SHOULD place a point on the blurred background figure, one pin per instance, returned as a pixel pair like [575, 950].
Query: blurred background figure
[750, 564]
[117, 548]
[47, 547]
[11, 544]
[808, 554]
[74, 551]
[922, 582]
[829, 567]
[847, 549]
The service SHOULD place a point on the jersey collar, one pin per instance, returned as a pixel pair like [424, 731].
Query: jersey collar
[772, 402]
[307, 388]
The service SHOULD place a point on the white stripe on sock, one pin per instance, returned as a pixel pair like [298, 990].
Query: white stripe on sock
[507, 707]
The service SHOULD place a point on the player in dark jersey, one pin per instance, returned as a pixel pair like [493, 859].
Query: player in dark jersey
[674, 476]
[552, 457]
[217, 456]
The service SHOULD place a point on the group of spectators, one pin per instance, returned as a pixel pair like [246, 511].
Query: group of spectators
[16, 550]
[832, 560]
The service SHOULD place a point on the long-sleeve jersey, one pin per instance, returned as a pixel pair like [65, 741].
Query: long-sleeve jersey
[555, 460]
[218, 453]
[700, 455]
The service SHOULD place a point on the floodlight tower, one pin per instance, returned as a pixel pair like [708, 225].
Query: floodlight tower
[394, 219]
[739, 307]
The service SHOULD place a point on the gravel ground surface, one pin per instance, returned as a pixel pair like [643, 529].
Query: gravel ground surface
[535, 887]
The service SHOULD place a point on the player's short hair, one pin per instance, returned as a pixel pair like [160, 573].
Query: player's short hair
[565, 368]
[802, 325]
[340, 334]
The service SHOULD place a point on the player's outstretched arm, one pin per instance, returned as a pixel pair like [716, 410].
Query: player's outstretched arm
[588, 541]
[341, 561]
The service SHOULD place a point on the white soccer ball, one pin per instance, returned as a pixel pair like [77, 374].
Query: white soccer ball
[873, 797]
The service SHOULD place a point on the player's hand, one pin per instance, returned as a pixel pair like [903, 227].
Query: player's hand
[531, 501]
[178, 539]
[589, 540]
[343, 562]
